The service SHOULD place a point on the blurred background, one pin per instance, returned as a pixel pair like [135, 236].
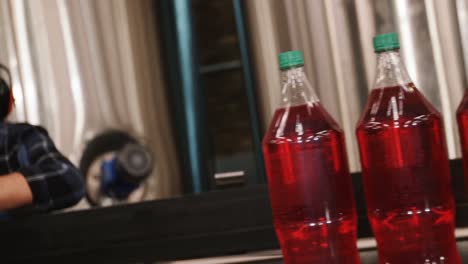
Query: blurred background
[196, 81]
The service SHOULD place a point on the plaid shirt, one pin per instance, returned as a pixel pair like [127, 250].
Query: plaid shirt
[55, 183]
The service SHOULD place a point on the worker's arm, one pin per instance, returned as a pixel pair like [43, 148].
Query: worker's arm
[14, 192]
[55, 183]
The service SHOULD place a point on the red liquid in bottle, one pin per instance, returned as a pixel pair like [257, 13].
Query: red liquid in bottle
[310, 187]
[407, 178]
[462, 117]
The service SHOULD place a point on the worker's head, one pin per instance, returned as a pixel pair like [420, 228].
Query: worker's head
[6, 93]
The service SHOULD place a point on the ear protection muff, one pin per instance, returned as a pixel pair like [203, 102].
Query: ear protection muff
[6, 94]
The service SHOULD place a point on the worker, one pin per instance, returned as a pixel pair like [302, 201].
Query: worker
[34, 175]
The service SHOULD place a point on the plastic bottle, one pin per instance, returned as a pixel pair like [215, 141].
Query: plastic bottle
[405, 167]
[462, 118]
[309, 181]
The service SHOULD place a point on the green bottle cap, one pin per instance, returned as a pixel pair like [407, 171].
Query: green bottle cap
[384, 42]
[289, 59]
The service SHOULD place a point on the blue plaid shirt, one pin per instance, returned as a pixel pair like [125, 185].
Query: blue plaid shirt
[55, 183]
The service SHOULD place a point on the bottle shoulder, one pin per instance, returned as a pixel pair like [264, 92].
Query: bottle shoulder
[398, 106]
[302, 123]
[405, 123]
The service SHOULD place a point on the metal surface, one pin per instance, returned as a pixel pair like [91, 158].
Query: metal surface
[234, 178]
[190, 92]
[462, 15]
[186, 93]
[336, 37]
[265, 44]
[82, 67]
[246, 59]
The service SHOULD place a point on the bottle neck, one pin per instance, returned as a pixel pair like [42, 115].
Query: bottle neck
[391, 70]
[296, 88]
